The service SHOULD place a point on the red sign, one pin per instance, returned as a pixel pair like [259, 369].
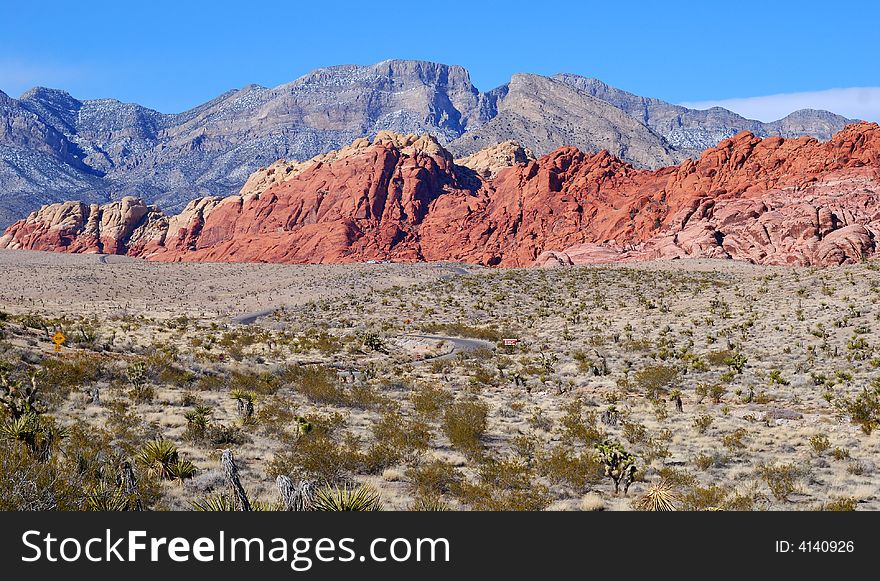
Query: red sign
[511, 342]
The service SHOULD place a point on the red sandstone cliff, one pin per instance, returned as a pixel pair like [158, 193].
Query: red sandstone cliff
[770, 201]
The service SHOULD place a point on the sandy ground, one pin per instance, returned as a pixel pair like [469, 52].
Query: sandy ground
[806, 338]
[116, 285]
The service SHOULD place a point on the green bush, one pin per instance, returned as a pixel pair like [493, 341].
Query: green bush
[465, 423]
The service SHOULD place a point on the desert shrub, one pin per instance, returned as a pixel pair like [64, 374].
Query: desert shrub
[30, 485]
[840, 454]
[364, 396]
[700, 498]
[219, 434]
[734, 440]
[211, 382]
[322, 454]
[635, 433]
[430, 400]
[677, 477]
[275, 415]
[841, 504]
[579, 427]
[318, 383]
[702, 423]
[396, 439]
[705, 461]
[820, 443]
[864, 409]
[439, 366]
[464, 423]
[126, 426]
[504, 485]
[781, 479]
[73, 372]
[428, 504]
[655, 379]
[480, 375]
[262, 384]
[562, 465]
[433, 479]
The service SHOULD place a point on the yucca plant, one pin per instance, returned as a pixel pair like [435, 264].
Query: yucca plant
[39, 433]
[197, 422]
[429, 504]
[221, 503]
[346, 499]
[245, 401]
[181, 470]
[214, 503]
[103, 498]
[660, 497]
[158, 456]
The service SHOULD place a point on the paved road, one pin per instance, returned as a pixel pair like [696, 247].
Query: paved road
[251, 318]
[459, 345]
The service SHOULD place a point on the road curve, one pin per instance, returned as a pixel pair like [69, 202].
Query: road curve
[251, 318]
[459, 345]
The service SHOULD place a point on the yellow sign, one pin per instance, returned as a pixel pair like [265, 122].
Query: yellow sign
[58, 338]
[57, 348]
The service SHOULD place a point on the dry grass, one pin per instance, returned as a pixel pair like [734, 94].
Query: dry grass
[776, 370]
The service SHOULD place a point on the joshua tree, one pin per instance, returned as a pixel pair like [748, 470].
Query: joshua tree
[19, 399]
[245, 402]
[230, 470]
[295, 497]
[303, 426]
[676, 397]
[619, 464]
[128, 484]
[610, 416]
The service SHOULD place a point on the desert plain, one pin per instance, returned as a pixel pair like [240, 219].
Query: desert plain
[726, 385]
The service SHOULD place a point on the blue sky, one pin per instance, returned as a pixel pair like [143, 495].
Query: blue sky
[174, 55]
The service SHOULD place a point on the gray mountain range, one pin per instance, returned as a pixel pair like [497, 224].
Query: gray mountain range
[54, 147]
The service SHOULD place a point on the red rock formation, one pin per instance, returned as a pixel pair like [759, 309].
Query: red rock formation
[770, 201]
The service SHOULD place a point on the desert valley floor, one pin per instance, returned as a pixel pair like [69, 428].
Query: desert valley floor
[734, 386]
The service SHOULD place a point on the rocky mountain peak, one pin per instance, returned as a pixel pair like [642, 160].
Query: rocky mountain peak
[55, 147]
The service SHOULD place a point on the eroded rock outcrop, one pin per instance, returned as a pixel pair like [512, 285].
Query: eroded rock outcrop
[402, 197]
[488, 162]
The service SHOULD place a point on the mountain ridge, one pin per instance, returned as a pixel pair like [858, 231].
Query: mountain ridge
[403, 197]
[56, 147]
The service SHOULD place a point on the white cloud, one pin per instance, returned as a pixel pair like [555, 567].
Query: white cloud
[854, 102]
